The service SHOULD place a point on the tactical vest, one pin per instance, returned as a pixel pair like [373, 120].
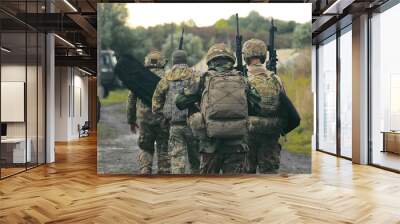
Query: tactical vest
[224, 105]
[269, 104]
[170, 111]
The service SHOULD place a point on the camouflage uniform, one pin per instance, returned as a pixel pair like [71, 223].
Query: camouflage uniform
[182, 147]
[266, 127]
[151, 129]
[217, 155]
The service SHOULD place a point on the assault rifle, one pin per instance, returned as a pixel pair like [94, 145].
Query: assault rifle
[239, 38]
[272, 58]
[181, 40]
[288, 110]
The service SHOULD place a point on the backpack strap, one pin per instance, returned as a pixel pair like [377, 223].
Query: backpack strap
[202, 82]
[282, 87]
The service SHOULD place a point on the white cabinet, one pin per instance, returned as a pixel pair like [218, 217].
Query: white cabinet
[17, 146]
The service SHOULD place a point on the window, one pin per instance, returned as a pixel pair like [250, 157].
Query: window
[327, 96]
[346, 92]
[385, 89]
[22, 104]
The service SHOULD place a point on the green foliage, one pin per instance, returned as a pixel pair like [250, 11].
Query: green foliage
[117, 36]
[116, 96]
[286, 27]
[302, 36]
[222, 25]
[254, 22]
[111, 18]
[139, 41]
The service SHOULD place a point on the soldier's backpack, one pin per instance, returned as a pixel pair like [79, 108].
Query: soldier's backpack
[224, 105]
[170, 111]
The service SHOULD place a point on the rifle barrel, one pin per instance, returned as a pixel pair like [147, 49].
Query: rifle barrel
[181, 40]
[239, 64]
[237, 23]
[271, 65]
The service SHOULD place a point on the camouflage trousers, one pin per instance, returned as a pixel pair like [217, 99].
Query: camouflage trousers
[183, 150]
[223, 156]
[150, 133]
[264, 153]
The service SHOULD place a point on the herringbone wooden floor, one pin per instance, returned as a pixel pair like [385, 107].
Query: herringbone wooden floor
[69, 191]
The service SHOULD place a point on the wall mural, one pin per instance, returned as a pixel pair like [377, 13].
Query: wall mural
[214, 89]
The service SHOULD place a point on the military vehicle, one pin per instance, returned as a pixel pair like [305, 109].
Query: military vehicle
[108, 79]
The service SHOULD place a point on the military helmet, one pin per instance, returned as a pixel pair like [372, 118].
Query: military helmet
[154, 59]
[254, 48]
[179, 57]
[220, 50]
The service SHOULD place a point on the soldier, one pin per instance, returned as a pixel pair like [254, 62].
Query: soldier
[265, 128]
[151, 129]
[182, 147]
[224, 98]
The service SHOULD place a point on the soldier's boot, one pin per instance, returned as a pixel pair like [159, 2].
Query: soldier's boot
[194, 160]
[269, 158]
[145, 162]
[210, 163]
[235, 163]
[193, 155]
[252, 160]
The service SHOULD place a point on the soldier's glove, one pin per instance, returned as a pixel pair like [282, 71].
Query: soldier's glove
[185, 101]
[133, 127]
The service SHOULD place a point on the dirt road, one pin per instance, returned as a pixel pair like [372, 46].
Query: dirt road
[118, 149]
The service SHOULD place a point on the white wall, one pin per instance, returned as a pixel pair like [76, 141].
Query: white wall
[61, 103]
[71, 102]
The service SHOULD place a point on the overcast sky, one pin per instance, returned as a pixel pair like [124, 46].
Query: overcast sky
[206, 14]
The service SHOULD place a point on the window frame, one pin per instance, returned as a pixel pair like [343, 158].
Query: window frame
[339, 32]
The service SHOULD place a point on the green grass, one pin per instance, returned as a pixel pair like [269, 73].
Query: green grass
[115, 96]
[298, 89]
[298, 141]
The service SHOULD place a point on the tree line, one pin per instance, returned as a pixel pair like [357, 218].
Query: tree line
[116, 35]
